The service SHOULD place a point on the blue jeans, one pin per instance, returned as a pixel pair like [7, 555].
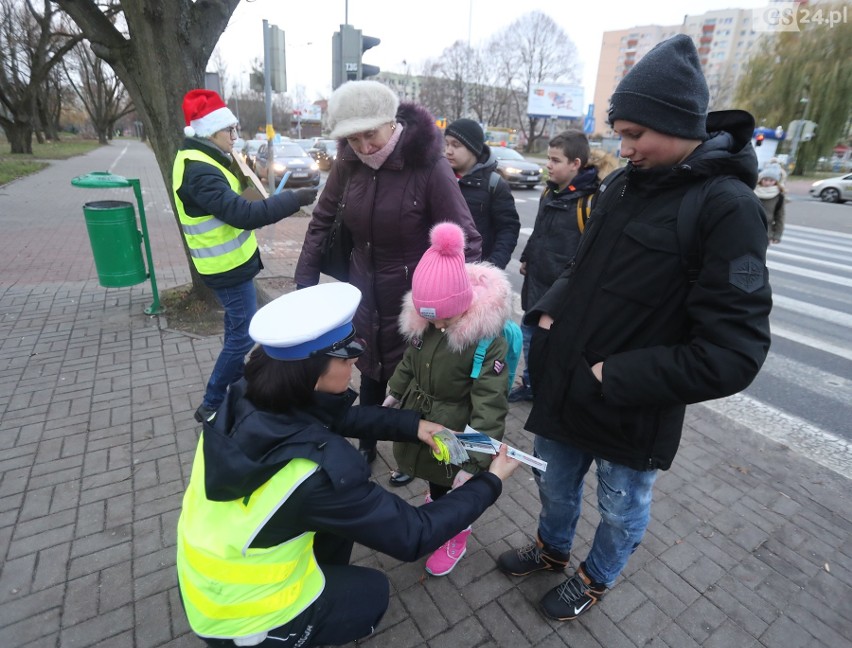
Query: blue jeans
[240, 304]
[527, 332]
[624, 503]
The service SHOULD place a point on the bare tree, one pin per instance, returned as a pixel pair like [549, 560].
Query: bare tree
[101, 93]
[31, 44]
[160, 53]
[532, 50]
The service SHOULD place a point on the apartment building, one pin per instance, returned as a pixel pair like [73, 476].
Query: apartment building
[724, 39]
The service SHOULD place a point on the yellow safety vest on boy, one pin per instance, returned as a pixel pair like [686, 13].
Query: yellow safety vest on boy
[230, 589]
[214, 246]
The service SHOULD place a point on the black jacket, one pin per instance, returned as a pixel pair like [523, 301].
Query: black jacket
[626, 301]
[245, 446]
[493, 212]
[205, 190]
[555, 235]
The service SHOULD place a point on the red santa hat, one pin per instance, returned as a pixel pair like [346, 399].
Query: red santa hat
[205, 113]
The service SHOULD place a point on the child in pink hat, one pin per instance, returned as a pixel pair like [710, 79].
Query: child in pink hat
[452, 305]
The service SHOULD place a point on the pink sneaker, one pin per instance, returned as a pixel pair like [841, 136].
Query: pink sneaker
[447, 556]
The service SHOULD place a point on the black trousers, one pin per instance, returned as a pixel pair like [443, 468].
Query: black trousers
[350, 607]
[372, 393]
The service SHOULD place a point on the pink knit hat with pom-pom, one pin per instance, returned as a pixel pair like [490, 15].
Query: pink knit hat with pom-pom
[440, 287]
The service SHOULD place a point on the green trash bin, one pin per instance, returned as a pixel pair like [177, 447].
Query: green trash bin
[116, 243]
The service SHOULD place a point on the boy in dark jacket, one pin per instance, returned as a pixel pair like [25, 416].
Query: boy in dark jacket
[562, 208]
[624, 339]
[491, 203]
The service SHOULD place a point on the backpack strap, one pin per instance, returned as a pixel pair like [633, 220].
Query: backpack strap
[688, 216]
[583, 210]
[479, 357]
[493, 179]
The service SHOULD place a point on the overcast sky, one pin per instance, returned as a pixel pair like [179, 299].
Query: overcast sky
[416, 30]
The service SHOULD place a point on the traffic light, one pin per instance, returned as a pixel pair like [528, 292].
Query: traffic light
[366, 43]
[347, 45]
[758, 139]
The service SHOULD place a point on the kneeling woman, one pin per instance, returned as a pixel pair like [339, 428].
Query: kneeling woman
[278, 496]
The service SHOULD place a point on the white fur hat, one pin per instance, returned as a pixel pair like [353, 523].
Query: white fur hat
[359, 106]
[205, 113]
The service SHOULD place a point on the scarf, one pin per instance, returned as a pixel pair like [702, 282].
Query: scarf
[767, 193]
[377, 159]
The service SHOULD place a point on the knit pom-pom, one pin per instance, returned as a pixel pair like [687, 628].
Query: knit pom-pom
[189, 131]
[447, 239]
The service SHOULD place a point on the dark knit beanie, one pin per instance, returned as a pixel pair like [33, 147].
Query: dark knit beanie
[666, 90]
[469, 133]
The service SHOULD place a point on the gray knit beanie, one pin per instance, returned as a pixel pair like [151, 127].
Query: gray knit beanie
[666, 91]
[469, 133]
[359, 106]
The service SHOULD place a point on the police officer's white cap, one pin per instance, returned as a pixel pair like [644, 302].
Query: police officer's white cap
[309, 322]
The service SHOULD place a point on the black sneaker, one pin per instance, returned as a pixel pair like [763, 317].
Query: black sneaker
[521, 393]
[532, 558]
[572, 598]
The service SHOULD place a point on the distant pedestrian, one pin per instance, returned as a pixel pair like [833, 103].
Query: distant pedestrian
[770, 191]
[218, 225]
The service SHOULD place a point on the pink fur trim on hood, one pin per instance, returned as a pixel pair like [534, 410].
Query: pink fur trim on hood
[491, 307]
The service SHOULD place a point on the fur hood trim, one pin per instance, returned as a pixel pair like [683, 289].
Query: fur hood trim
[491, 307]
[422, 143]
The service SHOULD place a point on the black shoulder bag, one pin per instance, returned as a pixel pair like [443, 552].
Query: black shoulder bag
[337, 246]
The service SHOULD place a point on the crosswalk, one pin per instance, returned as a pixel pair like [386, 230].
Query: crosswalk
[803, 394]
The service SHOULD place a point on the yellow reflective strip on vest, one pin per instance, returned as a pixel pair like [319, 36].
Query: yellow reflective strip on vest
[202, 228]
[279, 600]
[222, 249]
[228, 571]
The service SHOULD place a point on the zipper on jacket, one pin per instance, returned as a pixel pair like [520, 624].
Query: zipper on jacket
[405, 267]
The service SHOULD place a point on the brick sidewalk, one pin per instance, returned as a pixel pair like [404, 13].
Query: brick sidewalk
[748, 543]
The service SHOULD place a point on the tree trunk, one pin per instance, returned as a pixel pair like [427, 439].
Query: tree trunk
[20, 136]
[181, 32]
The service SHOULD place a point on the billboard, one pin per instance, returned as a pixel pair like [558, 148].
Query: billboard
[555, 100]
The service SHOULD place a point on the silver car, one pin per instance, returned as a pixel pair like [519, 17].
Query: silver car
[836, 190]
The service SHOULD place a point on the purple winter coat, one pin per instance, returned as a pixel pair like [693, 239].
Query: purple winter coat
[389, 213]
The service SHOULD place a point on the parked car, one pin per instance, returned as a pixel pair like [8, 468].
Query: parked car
[324, 151]
[515, 169]
[304, 171]
[836, 190]
[250, 150]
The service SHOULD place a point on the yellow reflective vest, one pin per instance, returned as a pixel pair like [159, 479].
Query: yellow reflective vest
[214, 246]
[230, 589]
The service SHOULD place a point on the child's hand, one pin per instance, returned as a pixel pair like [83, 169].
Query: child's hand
[426, 430]
[502, 465]
[390, 401]
[461, 477]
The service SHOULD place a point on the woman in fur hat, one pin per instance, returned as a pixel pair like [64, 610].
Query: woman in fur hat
[393, 183]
